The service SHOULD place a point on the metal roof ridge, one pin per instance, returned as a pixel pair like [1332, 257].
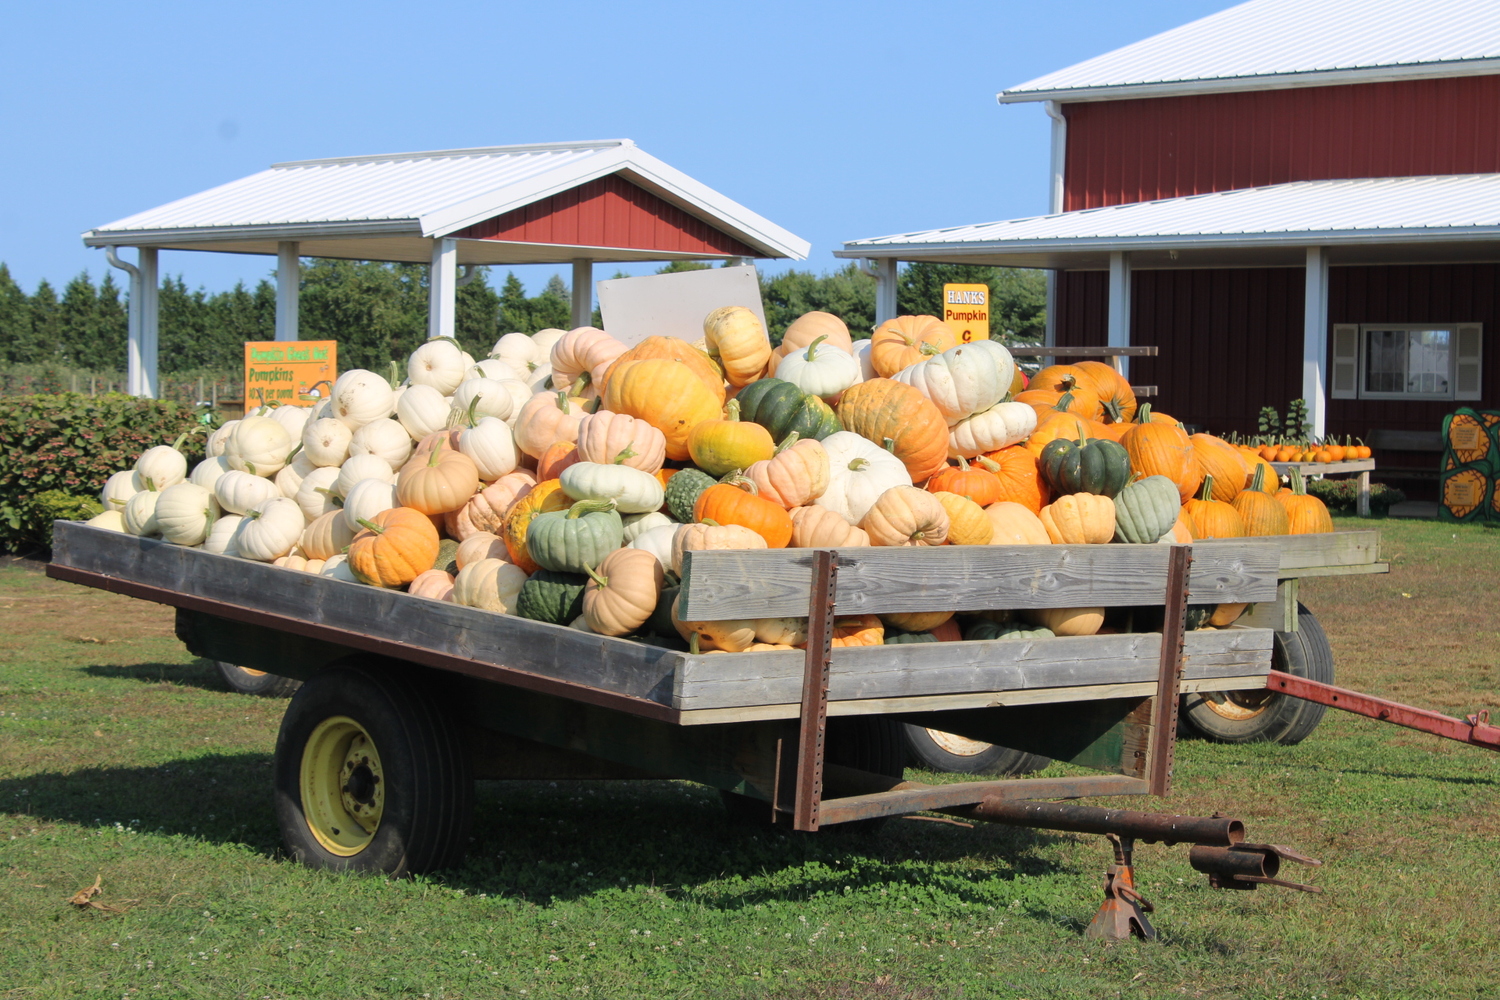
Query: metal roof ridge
[436, 154]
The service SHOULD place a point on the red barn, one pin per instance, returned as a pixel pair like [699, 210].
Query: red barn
[1289, 198]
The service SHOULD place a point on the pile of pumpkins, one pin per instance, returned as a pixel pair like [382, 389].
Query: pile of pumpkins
[564, 477]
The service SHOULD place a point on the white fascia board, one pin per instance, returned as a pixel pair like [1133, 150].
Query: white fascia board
[279, 232]
[438, 154]
[1269, 81]
[446, 221]
[1348, 237]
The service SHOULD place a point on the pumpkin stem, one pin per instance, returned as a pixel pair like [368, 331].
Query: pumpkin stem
[436, 455]
[1299, 485]
[602, 581]
[293, 453]
[149, 483]
[788, 441]
[732, 410]
[1112, 408]
[562, 401]
[583, 381]
[858, 464]
[337, 500]
[592, 406]
[473, 408]
[989, 464]
[740, 481]
[1208, 488]
[448, 339]
[812, 348]
[963, 463]
[626, 453]
[711, 522]
[180, 438]
[1143, 414]
[1258, 482]
[395, 372]
[249, 467]
[890, 445]
[929, 349]
[371, 525]
[693, 643]
[589, 507]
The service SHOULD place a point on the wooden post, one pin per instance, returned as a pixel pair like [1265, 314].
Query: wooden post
[1169, 674]
[814, 723]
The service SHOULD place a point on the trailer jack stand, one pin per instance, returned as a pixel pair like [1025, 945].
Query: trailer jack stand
[1124, 910]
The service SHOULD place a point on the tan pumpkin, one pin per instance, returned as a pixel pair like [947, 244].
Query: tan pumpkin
[622, 591]
[809, 327]
[433, 584]
[620, 439]
[481, 545]
[1067, 621]
[967, 522]
[485, 510]
[903, 341]
[440, 482]
[821, 528]
[1079, 519]
[327, 536]
[916, 621]
[1226, 614]
[1016, 524]
[547, 418]
[795, 476]
[698, 537]
[581, 350]
[906, 515]
[734, 335]
[734, 635]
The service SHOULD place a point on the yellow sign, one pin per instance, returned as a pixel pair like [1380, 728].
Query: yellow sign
[966, 310]
[289, 372]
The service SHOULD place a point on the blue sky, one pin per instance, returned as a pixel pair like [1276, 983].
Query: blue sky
[835, 120]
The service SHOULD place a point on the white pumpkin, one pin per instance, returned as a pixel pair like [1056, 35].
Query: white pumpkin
[657, 540]
[238, 491]
[1000, 426]
[270, 529]
[161, 467]
[480, 545]
[540, 379]
[544, 341]
[480, 397]
[361, 396]
[520, 392]
[291, 475]
[110, 520]
[185, 513]
[633, 491]
[858, 472]
[362, 467]
[293, 418]
[326, 537]
[438, 363]
[386, 438]
[140, 513]
[492, 446]
[638, 524]
[492, 368]
[517, 350]
[215, 446]
[962, 380]
[367, 498]
[337, 567]
[862, 355]
[786, 631]
[315, 497]
[820, 369]
[208, 471]
[259, 446]
[220, 540]
[325, 441]
[490, 584]
[422, 410]
[119, 488]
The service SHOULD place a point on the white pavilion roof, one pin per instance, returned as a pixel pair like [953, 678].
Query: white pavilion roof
[1287, 43]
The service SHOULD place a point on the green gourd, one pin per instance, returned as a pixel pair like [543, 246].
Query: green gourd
[552, 597]
[983, 630]
[781, 408]
[902, 638]
[447, 553]
[682, 492]
[1089, 465]
[571, 541]
[1146, 510]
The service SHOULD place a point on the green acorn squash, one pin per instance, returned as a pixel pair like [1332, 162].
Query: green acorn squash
[983, 630]
[1091, 465]
[893, 638]
[573, 540]
[552, 597]
[1146, 510]
[781, 408]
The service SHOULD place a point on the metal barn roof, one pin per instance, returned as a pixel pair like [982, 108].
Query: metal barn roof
[1287, 43]
[391, 207]
[1380, 220]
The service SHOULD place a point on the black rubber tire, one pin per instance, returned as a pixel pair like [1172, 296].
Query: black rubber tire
[867, 743]
[429, 786]
[1281, 718]
[926, 752]
[247, 681]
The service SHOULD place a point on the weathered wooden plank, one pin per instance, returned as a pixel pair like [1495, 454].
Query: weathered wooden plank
[1328, 550]
[767, 583]
[628, 668]
[1363, 570]
[1279, 615]
[726, 680]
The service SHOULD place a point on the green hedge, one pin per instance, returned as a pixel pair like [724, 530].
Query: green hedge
[57, 447]
[1343, 495]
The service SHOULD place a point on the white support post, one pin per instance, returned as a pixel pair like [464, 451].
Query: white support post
[1119, 307]
[1315, 340]
[583, 292]
[288, 287]
[1055, 203]
[885, 289]
[441, 289]
[141, 377]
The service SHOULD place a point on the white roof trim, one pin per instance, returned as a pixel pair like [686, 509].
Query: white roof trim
[1278, 44]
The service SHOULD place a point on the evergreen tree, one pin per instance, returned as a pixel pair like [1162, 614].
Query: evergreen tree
[1018, 297]
[15, 320]
[848, 293]
[477, 321]
[113, 325]
[240, 315]
[554, 307]
[78, 323]
[45, 343]
[376, 312]
[187, 337]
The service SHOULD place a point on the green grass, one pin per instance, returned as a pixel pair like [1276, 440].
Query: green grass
[121, 757]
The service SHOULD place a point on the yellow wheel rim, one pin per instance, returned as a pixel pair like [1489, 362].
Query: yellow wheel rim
[1237, 706]
[959, 746]
[343, 786]
[252, 673]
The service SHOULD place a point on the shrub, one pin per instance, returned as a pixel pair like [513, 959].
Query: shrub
[1343, 494]
[70, 444]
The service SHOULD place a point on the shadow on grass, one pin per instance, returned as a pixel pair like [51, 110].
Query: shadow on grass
[543, 840]
[200, 673]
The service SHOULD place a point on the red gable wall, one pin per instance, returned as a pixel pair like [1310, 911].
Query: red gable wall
[1166, 147]
[609, 212]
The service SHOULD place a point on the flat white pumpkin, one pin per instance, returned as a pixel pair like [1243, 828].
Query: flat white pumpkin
[161, 467]
[858, 472]
[315, 497]
[638, 524]
[259, 446]
[185, 513]
[438, 363]
[270, 529]
[220, 540]
[325, 441]
[386, 438]
[337, 568]
[360, 396]
[862, 355]
[962, 380]
[362, 467]
[1000, 426]
[119, 488]
[140, 513]
[657, 540]
[633, 491]
[367, 498]
[820, 369]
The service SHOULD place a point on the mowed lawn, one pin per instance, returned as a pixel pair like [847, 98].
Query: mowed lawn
[124, 760]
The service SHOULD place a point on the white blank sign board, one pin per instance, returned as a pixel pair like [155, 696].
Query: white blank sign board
[673, 305]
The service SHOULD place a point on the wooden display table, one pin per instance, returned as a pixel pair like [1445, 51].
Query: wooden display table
[1363, 466]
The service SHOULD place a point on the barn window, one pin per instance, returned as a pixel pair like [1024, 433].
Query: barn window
[1406, 361]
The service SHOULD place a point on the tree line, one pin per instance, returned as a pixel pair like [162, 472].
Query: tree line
[378, 311]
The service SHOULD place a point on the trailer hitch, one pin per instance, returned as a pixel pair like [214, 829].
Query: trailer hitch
[1475, 730]
[1244, 866]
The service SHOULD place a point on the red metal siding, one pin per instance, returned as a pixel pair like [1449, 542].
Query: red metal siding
[609, 212]
[1166, 147]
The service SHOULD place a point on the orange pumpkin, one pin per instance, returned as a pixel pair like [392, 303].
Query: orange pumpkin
[901, 342]
[1262, 513]
[735, 502]
[1164, 450]
[817, 527]
[1056, 424]
[906, 515]
[1019, 476]
[395, 547]
[1112, 388]
[1213, 518]
[809, 327]
[861, 630]
[967, 521]
[1221, 460]
[1306, 515]
[1270, 477]
[973, 481]
[898, 417]
[673, 349]
[1073, 398]
[555, 459]
[1016, 525]
[666, 393]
